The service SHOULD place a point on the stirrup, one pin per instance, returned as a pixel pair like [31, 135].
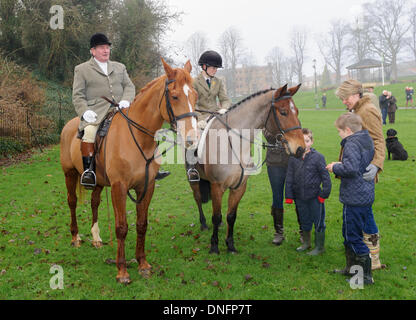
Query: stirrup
[193, 175]
[88, 185]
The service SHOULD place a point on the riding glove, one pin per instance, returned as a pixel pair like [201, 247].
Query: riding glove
[124, 104]
[90, 116]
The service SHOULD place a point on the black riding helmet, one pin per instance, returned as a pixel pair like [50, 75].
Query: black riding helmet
[98, 39]
[210, 59]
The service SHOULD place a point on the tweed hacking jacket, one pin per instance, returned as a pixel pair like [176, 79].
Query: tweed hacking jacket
[207, 96]
[91, 83]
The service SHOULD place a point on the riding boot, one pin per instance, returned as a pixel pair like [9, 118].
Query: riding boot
[364, 261]
[372, 241]
[306, 235]
[161, 174]
[349, 262]
[319, 244]
[88, 178]
[277, 215]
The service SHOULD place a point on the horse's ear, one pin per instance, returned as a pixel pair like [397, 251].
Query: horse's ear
[188, 66]
[280, 92]
[293, 90]
[168, 69]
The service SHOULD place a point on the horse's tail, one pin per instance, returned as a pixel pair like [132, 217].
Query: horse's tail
[205, 189]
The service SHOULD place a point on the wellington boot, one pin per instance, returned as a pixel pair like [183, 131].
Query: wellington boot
[319, 244]
[306, 235]
[364, 261]
[277, 215]
[372, 241]
[349, 263]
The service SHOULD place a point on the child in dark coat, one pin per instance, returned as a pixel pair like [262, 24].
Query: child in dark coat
[355, 193]
[394, 147]
[303, 185]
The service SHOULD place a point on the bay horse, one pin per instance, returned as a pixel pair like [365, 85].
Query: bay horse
[271, 110]
[126, 160]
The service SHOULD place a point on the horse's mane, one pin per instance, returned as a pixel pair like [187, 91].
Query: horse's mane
[179, 77]
[249, 98]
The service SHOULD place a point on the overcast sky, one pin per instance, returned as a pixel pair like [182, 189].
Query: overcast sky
[263, 24]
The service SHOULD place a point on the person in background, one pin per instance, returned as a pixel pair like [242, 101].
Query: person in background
[355, 193]
[392, 108]
[369, 91]
[351, 94]
[384, 100]
[324, 100]
[409, 95]
[308, 184]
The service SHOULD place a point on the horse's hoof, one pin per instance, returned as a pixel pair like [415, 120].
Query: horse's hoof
[214, 251]
[123, 280]
[97, 244]
[232, 251]
[145, 273]
[76, 243]
[204, 227]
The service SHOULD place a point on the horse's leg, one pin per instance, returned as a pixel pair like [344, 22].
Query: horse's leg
[233, 201]
[95, 230]
[71, 180]
[198, 200]
[118, 196]
[141, 228]
[216, 196]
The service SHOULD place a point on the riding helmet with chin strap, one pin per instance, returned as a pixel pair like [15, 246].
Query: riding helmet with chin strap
[210, 58]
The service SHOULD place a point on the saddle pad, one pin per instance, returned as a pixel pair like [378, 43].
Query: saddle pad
[201, 143]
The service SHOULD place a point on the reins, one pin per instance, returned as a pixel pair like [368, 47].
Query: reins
[131, 123]
[279, 138]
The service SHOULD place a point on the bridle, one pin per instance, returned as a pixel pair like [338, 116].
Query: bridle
[281, 135]
[173, 119]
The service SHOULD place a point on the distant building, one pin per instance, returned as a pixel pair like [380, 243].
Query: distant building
[247, 80]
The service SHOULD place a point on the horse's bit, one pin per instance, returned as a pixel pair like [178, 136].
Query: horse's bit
[173, 125]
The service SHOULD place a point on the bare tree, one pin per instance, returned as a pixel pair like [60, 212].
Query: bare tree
[412, 39]
[334, 47]
[359, 44]
[276, 61]
[298, 39]
[231, 47]
[196, 44]
[387, 27]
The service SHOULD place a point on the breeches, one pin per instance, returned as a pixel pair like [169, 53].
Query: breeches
[311, 212]
[89, 133]
[354, 220]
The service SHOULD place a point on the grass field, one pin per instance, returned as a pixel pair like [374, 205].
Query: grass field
[34, 227]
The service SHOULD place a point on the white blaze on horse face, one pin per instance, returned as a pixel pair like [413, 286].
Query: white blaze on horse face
[292, 107]
[186, 90]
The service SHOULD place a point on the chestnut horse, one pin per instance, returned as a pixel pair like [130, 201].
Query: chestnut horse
[125, 161]
[272, 110]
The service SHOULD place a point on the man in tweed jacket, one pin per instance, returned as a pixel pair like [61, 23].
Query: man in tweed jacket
[93, 79]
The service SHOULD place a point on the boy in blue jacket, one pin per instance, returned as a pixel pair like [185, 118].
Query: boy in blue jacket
[355, 193]
[304, 178]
